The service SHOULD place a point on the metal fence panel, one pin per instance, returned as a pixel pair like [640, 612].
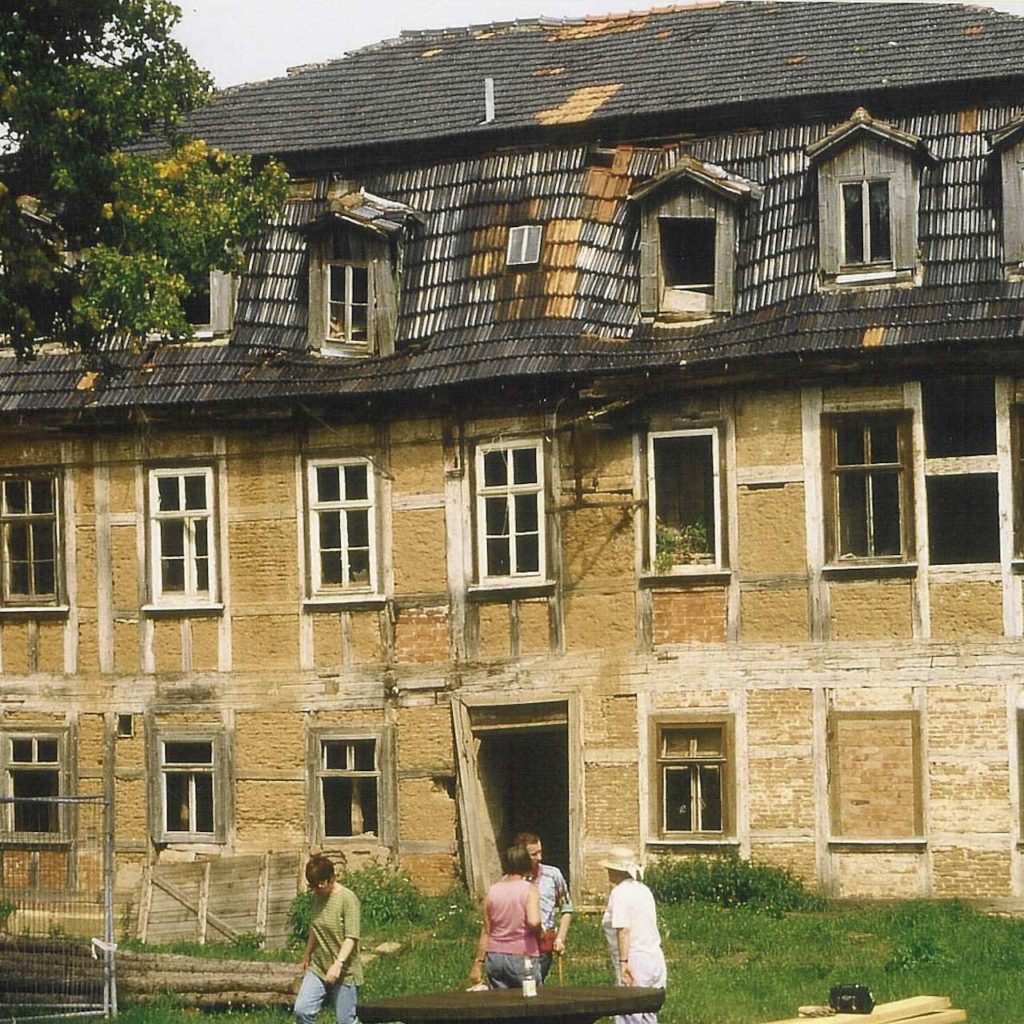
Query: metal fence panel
[56, 908]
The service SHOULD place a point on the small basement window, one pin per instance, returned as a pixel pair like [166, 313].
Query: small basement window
[524, 245]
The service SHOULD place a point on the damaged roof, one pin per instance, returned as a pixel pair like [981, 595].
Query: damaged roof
[651, 64]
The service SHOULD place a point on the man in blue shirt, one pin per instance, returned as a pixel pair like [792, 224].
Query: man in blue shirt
[555, 902]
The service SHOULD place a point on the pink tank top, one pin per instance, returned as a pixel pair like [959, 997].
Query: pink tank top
[506, 912]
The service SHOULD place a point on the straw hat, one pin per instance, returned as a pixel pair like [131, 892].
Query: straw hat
[622, 858]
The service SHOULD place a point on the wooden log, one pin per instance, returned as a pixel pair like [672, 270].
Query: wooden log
[886, 1013]
[184, 981]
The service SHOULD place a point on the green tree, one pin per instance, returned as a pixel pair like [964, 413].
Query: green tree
[99, 238]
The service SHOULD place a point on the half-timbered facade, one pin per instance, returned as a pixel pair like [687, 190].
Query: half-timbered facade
[617, 436]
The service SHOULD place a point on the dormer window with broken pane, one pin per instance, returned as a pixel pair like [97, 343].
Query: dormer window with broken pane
[688, 252]
[524, 245]
[210, 305]
[869, 178]
[348, 302]
[688, 230]
[355, 255]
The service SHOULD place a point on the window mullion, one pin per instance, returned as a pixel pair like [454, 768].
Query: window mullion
[865, 219]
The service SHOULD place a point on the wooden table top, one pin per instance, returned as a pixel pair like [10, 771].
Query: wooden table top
[552, 1003]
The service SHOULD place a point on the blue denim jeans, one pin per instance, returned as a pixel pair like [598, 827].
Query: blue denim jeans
[505, 970]
[314, 993]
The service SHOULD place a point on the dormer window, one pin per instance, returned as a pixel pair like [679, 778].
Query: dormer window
[868, 183]
[354, 258]
[210, 306]
[1008, 144]
[348, 302]
[867, 227]
[524, 245]
[688, 253]
[688, 220]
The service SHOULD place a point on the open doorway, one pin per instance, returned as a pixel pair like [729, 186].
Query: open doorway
[514, 766]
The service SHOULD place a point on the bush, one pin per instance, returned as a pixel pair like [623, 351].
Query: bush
[386, 894]
[730, 882]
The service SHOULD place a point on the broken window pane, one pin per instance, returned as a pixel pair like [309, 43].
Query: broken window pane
[868, 480]
[188, 794]
[33, 776]
[348, 787]
[692, 762]
[959, 417]
[685, 500]
[688, 252]
[963, 519]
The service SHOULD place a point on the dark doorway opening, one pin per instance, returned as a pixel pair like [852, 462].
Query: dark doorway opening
[524, 774]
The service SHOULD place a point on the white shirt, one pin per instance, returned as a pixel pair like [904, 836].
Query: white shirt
[631, 905]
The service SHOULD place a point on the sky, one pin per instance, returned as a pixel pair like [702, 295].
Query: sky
[252, 40]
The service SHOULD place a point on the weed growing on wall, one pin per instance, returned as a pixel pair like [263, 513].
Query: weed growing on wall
[730, 882]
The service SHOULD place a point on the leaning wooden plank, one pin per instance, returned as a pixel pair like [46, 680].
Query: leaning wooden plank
[939, 1017]
[884, 1013]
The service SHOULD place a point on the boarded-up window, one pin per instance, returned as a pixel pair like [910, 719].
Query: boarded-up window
[875, 775]
[867, 458]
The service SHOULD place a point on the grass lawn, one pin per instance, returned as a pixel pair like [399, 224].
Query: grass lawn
[736, 966]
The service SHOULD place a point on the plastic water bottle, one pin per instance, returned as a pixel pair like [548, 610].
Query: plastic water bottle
[529, 981]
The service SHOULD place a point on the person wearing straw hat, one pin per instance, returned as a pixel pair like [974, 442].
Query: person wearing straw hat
[630, 924]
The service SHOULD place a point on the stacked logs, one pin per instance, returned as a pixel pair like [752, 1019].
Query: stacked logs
[203, 983]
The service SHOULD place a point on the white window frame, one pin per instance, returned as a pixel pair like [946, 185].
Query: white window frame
[321, 773]
[342, 508]
[214, 769]
[345, 339]
[191, 595]
[524, 242]
[509, 492]
[8, 519]
[717, 564]
[9, 766]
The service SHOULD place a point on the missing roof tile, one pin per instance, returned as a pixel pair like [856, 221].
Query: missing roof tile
[579, 105]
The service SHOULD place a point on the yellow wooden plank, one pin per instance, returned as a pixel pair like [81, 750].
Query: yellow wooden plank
[887, 1013]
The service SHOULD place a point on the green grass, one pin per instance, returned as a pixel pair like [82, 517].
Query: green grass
[736, 966]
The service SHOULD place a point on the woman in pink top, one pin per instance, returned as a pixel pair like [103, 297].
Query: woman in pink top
[511, 926]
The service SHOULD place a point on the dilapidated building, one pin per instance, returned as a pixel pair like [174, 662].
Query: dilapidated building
[618, 436]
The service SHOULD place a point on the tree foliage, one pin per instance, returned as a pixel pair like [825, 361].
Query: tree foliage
[99, 238]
